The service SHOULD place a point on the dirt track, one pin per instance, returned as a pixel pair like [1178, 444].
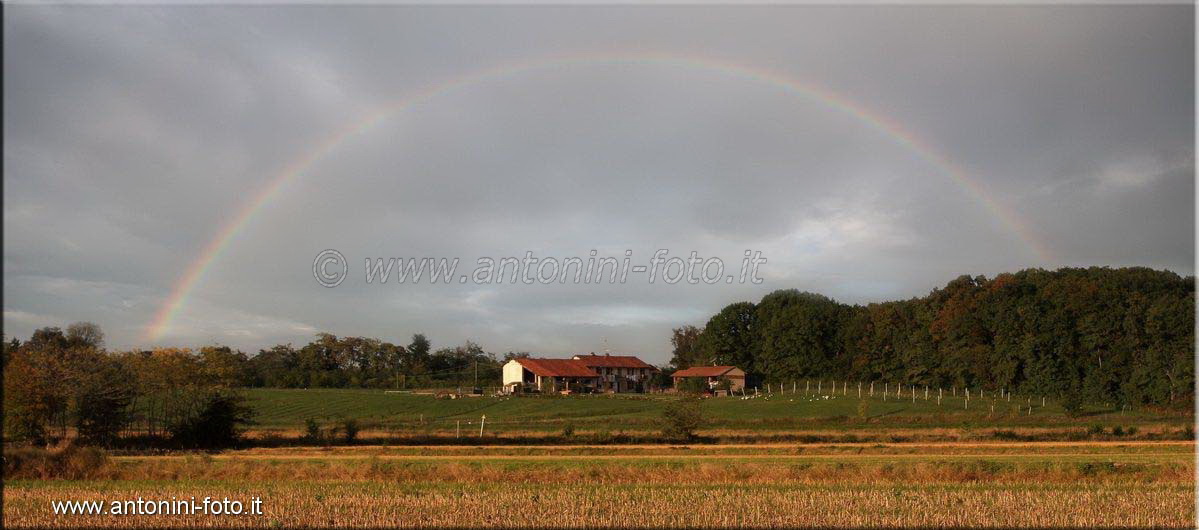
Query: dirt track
[1032, 450]
[1130, 443]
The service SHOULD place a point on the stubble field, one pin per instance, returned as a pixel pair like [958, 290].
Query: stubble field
[841, 485]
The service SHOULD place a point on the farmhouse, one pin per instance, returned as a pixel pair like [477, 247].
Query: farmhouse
[619, 373]
[590, 372]
[713, 375]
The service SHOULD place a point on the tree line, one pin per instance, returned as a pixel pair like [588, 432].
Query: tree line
[61, 382]
[1097, 334]
[57, 382]
[358, 362]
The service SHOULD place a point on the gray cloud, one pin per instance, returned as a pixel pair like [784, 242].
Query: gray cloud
[134, 134]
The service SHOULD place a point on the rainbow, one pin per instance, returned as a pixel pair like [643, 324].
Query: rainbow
[220, 242]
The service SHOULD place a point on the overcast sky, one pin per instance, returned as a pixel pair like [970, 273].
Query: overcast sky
[134, 135]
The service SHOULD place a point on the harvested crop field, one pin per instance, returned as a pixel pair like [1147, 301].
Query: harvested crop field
[1098, 485]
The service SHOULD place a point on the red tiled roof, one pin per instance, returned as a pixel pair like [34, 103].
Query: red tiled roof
[612, 361]
[557, 367]
[704, 371]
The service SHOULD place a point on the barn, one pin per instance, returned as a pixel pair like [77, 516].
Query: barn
[712, 375]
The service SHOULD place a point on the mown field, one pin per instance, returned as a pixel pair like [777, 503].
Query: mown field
[847, 485]
[400, 414]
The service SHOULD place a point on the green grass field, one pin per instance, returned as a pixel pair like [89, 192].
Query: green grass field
[287, 409]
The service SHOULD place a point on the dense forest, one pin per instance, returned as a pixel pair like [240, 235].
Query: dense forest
[1097, 334]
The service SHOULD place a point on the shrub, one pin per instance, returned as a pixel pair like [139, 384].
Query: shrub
[693, 385]
[1006, 435]
[682, 418]
[312, 430]
[72, 463]
[349, 430]
[218, 423]
[1072, 403]
[863, 410]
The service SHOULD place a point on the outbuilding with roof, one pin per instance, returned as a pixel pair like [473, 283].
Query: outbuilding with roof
[712, 375]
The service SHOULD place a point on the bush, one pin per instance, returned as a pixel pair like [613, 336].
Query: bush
[682, 418]
[218, 423]
[1072, 403]
[693, 385]
[1007, 435]
[863, 410]
[71, 463]
[312, 430]
[349, 430]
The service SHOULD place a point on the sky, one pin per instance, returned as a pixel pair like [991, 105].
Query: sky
[869, 154]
